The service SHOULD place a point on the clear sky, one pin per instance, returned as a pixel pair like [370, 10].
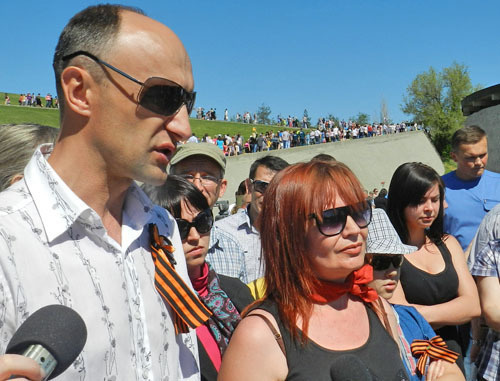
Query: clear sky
[338, 57]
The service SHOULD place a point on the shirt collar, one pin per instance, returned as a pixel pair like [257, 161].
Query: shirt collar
[59, 207]
[244, 219]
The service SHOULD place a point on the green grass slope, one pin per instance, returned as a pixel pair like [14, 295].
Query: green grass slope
[50, 117]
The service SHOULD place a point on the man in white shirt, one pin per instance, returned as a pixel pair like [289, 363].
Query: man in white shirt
[74, 231]
[193, 139]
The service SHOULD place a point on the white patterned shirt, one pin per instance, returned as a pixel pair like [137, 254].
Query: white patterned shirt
[54, 249]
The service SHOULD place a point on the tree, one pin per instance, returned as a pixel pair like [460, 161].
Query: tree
[263, 113]
[434, 99]
[361, 119]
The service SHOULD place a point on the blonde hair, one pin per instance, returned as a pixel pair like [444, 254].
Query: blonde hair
[17, 144]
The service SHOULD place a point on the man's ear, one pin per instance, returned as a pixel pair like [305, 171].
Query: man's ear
[248, 185]
[453, 156]
[222, 188]
[75, 83]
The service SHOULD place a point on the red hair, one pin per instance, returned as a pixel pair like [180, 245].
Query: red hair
[291, 197]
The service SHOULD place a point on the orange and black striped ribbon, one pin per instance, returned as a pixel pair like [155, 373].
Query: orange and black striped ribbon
[189, 310]
[435, 349]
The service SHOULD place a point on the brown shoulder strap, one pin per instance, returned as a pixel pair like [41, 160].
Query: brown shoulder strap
[276, 334]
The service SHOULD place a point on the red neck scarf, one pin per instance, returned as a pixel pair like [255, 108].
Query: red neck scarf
[355, 284]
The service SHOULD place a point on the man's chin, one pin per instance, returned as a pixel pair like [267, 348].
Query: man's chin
[156, 179]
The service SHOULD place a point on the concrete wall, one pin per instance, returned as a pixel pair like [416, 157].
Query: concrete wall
[373, 160]
[489, 120]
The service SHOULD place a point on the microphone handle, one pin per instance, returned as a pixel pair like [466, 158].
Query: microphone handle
[43, 357]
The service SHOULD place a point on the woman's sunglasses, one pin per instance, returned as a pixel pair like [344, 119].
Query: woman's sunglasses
[333, 221]
[383, 261]
[202, 223]
[159, 95]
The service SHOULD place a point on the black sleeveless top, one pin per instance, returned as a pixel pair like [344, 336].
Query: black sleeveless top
[426, 289]
[380, 353]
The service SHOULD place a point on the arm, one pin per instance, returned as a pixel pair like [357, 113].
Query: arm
[489, 293]
[253, 353]
[20, 366]
[478, 335]
[441, 370]
[465, 306]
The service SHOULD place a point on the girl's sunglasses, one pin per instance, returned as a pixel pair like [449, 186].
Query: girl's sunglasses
[202, 223]
[159, 95]
[333, 221]
[383, 261]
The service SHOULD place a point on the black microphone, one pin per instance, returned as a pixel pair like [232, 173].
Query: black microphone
[53, 336]
[349, 368]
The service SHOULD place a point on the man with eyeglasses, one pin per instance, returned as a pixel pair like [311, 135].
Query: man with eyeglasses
[204, 165]
[76, 229]
[242, 224]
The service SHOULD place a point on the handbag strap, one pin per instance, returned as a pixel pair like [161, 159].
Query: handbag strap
[275, 332]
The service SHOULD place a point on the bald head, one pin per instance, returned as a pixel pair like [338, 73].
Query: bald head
[139, 37]
[97, 29]
[116, 92]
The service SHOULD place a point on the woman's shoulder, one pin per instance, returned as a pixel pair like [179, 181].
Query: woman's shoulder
[259, 324]
[452, 244]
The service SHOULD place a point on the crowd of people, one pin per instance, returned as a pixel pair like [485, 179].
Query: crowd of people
[30, 99]
[309, 279]
[283, 139]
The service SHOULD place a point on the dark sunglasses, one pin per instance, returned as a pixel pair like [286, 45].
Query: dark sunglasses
[159, 95]
[333, 221]
[259, 185]
[382, 262]
[202, 223]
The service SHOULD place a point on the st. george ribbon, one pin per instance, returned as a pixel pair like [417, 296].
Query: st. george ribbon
[53, 336]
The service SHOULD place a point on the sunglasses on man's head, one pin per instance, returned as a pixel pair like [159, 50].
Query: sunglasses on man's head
[333, 221]
[259, 185]
[382, 261]
[159, 95]
[202, 223]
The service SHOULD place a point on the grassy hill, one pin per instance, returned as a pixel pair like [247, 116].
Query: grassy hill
[50, 117]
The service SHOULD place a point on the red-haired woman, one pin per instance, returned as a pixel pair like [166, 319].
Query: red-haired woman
[319, 320]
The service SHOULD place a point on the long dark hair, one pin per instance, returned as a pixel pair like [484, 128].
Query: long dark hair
[409, 184]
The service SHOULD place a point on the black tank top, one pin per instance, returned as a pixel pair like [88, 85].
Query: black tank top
[426, 289]
[312, 362]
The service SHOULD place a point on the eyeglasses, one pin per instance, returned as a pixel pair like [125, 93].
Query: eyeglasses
[333, 221]
[159, 95]
[383, 261]
[205, 180]
[202, 223]
[259, 185]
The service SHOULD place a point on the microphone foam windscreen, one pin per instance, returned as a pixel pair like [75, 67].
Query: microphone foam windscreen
[58, 329]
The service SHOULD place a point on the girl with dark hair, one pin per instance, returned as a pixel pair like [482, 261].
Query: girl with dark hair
[224, 296]
[435, 278]
[318, 316]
